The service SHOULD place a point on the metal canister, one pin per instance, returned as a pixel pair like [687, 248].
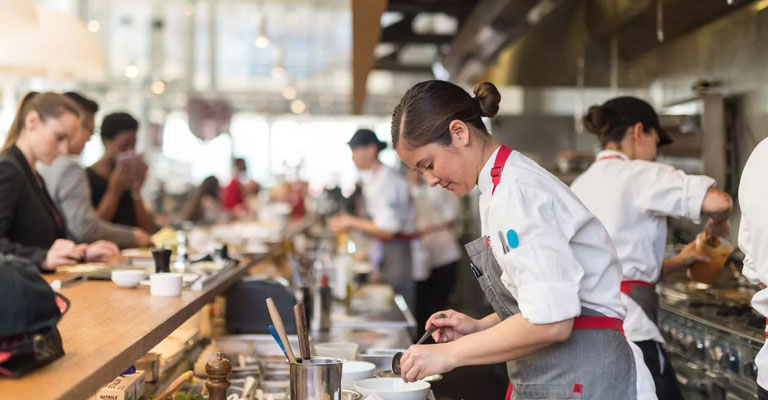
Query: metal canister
[316, 379]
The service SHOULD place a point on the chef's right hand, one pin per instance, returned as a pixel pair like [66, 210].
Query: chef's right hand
[453, 326]
[62, 252]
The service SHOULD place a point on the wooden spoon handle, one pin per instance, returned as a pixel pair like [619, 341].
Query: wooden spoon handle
[280, 328]
[301, 330]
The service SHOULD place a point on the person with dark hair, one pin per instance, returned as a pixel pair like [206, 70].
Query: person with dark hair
[753, 241]
[202, 205]
[633, 195]
[117, 177]
[545, 263]
[391, 219]
[69, 188]
[233, 195]
[31, 226]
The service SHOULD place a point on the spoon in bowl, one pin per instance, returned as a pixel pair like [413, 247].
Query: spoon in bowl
[399, 355]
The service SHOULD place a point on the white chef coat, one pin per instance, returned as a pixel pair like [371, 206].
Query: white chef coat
[633, 199]
[436, 208]
[388, 204]
[753, 238]
[563, 257]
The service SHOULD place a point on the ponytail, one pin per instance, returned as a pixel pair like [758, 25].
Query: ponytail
[46, 105]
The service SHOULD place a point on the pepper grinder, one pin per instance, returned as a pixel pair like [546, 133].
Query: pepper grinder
[218, 370]
[162, 258]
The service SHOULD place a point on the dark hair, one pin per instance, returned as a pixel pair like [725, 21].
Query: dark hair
[597, 121]
[210, 187]
[611, 120]
[46, 105]
[84, 102]
[426, 110]
[115, 123]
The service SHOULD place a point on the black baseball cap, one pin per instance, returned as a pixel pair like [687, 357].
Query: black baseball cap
[365, 137]
[629, 110]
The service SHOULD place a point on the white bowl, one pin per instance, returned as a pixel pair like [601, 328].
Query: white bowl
[127, 278]
[353, 371]
[393, 388]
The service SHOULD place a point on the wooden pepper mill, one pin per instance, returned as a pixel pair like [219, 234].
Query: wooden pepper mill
[217, 384]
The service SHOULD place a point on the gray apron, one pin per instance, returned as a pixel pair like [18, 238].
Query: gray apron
[646, 297]
[595, 364]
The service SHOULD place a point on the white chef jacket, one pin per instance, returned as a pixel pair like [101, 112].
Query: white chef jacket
[388, 204]
[436, 208]
[563, 257]
[753, 237]
[633, 199]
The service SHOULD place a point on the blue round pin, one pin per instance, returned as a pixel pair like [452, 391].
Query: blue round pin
[512, 240]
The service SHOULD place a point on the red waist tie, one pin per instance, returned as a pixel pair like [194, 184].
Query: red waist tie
[587, 322]
[626, 286]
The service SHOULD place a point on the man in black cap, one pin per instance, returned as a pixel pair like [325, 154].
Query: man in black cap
[391, 214]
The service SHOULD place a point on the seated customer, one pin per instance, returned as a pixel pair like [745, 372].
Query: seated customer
[202, 205]
[117, 177]
[68, 187]
[30, 225]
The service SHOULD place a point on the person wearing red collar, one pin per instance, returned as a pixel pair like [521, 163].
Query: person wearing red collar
[545, 263]
[391, 216]
[633, 195]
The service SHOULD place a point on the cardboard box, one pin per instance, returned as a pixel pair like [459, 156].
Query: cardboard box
[124, 387]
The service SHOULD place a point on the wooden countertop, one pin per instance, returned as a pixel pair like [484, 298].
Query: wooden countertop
[105, 331]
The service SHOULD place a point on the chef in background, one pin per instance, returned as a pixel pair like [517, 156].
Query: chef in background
[633, 195]
[391, 216]
[753, 241]
[435, 269]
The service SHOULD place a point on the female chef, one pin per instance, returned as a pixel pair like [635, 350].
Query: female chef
[391, 215]
[633, 196]
[753, 240]
[545, 263]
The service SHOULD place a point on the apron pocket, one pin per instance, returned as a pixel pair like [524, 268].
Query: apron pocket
[530, 391]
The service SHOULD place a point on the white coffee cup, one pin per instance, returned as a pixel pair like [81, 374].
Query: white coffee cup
[165, 284]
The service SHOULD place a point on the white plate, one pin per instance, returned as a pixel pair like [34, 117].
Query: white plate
[393, 388]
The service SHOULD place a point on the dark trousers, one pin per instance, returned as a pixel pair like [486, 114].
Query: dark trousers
[432, 294]
[658, 363]
[762, 394]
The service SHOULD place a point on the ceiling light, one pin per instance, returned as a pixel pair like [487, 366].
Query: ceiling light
[158, 87]
[298, 107]
[94, 26]
[261, 42]
[131, 71]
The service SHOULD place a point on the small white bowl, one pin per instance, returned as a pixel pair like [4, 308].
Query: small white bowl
[393, 388]
[353, 371]
[165, 284]
[127, 278]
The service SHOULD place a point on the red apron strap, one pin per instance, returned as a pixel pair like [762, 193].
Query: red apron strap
[587, 322]
[498, 165]
[626, 286]
[609, 158]
[510, 389]
[766, 324]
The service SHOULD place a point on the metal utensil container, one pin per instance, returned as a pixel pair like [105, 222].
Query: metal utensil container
[316, 379]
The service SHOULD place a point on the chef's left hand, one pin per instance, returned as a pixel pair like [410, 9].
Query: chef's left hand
[421, 361]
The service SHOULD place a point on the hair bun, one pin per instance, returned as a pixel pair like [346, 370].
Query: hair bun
[488, 98]
[597, 120]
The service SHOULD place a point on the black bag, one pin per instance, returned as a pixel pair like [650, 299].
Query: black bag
[29, 312]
